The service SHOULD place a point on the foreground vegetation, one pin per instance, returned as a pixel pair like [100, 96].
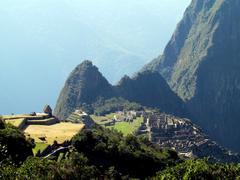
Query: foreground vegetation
[200, 169]
[102, 153]
[96, 153]
[14, 146]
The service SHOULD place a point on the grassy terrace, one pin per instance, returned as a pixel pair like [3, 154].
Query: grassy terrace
[127, 127]
[73, 117]
[16, 122]
[124, 127]
[19, 121]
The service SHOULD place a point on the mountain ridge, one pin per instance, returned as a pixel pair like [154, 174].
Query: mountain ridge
[86, 85]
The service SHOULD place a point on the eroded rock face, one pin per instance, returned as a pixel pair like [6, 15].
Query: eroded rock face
[201, 64]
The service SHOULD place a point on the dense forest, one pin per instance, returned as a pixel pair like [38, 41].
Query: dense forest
[103, 153]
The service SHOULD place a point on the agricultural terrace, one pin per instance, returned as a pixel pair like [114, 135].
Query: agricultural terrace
[102, 120]
[20, 120]
[59, 132]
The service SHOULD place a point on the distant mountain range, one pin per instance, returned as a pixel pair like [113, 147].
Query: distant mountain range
[200, 64]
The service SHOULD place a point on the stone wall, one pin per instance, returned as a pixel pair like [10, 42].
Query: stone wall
[49, 121]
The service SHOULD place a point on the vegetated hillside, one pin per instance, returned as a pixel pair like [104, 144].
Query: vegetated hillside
[86, 85]
[151, 90]
[106, 106]
[201, 64]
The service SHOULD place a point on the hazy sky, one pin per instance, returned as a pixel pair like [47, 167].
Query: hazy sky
[43, 40]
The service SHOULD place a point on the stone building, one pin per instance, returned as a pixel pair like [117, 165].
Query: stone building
[48, 110]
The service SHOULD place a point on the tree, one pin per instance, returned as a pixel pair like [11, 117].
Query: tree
[13, 144]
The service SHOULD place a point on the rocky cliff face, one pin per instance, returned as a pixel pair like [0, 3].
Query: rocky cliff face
[86, 85]
[201, 64]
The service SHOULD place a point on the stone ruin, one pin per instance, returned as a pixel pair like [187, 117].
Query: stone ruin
[48, 110]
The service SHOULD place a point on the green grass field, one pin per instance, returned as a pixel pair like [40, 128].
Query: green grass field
[127, 127]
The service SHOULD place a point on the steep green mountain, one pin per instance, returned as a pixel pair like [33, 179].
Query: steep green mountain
[86, 87]
[201, 64]
[151, 90]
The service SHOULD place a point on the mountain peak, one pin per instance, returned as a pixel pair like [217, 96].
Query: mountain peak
[85, 66]
[86, 63]
[84, 85]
